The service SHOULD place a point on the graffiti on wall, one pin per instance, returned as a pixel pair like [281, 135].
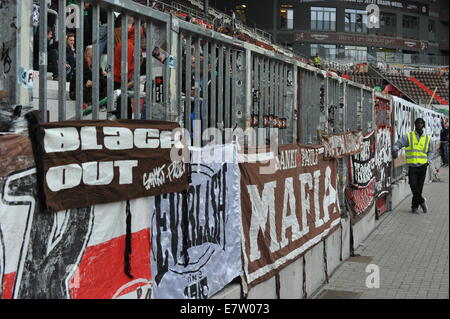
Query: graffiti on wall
[8, 33]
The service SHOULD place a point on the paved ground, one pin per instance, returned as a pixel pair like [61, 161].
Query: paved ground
[411, 251]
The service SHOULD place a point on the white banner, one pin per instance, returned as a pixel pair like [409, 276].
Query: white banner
[406, 112]
[196, 239]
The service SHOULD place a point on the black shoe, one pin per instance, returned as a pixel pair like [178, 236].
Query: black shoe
[414, 210]
[424, 206]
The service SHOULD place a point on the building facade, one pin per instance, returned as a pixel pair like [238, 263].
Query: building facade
[410, 32]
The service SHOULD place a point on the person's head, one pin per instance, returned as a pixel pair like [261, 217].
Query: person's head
[70, 39]
[419, 123]
[88, 55]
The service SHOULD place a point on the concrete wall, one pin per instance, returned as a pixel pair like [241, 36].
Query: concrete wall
[400, 191]
[363, 228]
[312, 264]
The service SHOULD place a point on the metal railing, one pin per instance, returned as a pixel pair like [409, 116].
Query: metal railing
[194, 74]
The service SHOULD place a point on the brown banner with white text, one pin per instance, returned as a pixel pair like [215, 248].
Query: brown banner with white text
[288, 210]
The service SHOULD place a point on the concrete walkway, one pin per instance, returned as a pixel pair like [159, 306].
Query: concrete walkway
[411, 252]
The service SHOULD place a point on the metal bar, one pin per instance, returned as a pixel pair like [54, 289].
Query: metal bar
[272, 89]
[276, 88]
[281, 99]
[137, 67]
[266, 92]
[166, 72]
[344, 113]
[124, 68]
[249, 86]
[197, 80]
[233, 89]
[110, 68]
[188, 85]
[205, 104]
[61, 61]
[95, 60]
[220, 92]
[80, 65]
[201, 31]
[214, 73]
[180, 79]
[227, 89]
[293, 106]
[149, 98]
[361, 119]
[132, 8]
[258, 80]
[43, 52]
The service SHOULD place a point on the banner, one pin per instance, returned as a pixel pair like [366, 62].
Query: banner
[342, 145]
[76, 253]
[383, 159]
[360, 193]
[288, 211]
[404, 123]
[405, 114]
[196, 235]
[382, 112]
[83, 163]
[383, 154]
[432, 120]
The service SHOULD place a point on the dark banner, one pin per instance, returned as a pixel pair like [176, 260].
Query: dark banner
[383, 156]
[83, 163]
[287, 211]
[360, 193]
[342, 145]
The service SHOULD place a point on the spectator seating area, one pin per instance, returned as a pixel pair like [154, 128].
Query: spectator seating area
[407, 87]
[421, 95]
[432, 80]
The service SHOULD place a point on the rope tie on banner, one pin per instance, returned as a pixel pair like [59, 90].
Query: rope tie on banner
[128, 249]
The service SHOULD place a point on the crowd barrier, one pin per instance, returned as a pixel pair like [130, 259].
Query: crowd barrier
[94, 208]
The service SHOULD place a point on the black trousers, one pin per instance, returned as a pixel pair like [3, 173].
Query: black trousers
[119, 109]
[416, 177]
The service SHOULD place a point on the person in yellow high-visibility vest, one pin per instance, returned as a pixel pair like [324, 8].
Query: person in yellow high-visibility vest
[419, 151]
[317, 61]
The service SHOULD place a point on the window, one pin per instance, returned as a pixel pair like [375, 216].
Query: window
[410, 22]
[388, 23]
[356, 21]
[327, 51]
[355, 53]
[410, 27]
[388, 20]
[431, 30]
[287, 16]
[323, 19]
